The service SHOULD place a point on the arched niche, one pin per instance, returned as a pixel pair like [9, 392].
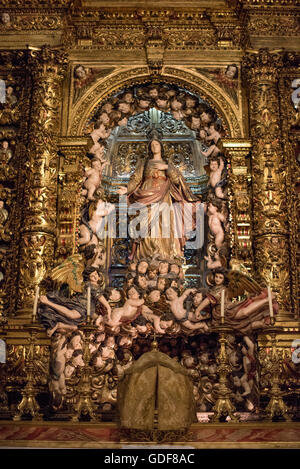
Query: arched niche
[106, 89]
[197, 84]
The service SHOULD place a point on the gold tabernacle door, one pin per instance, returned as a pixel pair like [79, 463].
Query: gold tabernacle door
[156, 382]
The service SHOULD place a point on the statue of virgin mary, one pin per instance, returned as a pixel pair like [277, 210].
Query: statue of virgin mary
[166, 203]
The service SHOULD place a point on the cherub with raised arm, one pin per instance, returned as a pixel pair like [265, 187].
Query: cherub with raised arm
[101, 131]
[129, 311]
[213, 134]
[93, 177]
[97, 149]
[216, 182]
[215, 220]
[177, 307]
[211, 152]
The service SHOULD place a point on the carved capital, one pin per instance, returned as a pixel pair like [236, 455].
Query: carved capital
[262, 65]
[47, 62]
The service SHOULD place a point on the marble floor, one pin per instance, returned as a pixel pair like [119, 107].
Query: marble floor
[245, 435]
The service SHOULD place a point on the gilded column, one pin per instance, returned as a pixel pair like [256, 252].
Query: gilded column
[73, 151]
[289, 95]
[270, 208]
[240, 205]
[46, 67]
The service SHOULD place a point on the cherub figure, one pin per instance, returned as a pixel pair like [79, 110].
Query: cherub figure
[166, 322]
[152, 274]
[152, 304]
[207, 116]
[176, 304]
[110, 295]
[215, 220]
[199, 313]
[162, 102]
[5, 19]
[100, 132]
[57, 382]
[129, 311]
[94, 255]
[216, 259]
[75, 362]
[162, 283]
[5, 153]
[140, 280]
[58, 313]
[246, 315]
[163, 267]
[108, 350]
[140, 326]
[143, 103]
[97, 150]
[142, 266]
[175, 268]
[11, 99]
[213, 134]
[212, 151]
[195, 122]
[93, 177]
[91, 228]
[216, 182]
[249, 365]
[96, 340]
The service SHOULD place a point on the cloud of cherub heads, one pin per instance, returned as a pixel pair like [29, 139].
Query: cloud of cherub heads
[183, 105]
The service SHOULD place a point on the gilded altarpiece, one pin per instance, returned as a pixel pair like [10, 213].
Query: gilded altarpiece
[230, 130]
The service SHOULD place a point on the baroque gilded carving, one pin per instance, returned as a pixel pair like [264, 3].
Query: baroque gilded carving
[289, 97]
[270, 24]
[46, 68]
[268, 170]
[259, 184]
[69, 200]
[88, 102]
[14, 104]
[240, 201]
[32, 22]
[211, 94]
[95, 94]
